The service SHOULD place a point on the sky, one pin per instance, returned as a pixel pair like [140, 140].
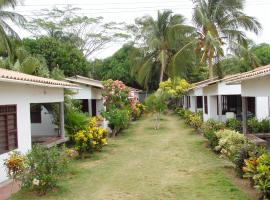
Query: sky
[127, 11]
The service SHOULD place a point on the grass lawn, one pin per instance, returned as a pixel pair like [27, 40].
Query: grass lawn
[141, 163]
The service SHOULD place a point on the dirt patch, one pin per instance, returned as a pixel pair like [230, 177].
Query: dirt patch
[90, 164]
[243, 184]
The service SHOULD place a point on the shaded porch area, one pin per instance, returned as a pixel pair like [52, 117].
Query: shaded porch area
[47, 124]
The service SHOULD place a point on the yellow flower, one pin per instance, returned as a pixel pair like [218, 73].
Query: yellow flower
[104, 141]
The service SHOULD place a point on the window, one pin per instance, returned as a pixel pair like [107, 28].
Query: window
[199, 102]
[205, 105]
[8, 128]
[230, 103]
[35, 113]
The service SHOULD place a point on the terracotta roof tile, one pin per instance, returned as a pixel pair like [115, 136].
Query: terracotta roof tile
[260, 71]
[9, 75]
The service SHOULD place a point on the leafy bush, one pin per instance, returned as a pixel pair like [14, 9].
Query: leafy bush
[44, 168]
[244, 153]
[265, 126]
[234, 124]
[75, 121]
[118, 119]
[254, 126]
[193, 119]
[209, 128]
[230, 143]
[91, 139]
[138, 110]
[258, 170]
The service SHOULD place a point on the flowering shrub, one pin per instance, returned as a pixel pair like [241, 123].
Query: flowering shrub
[230, 142]
[44, 167]
[16, 165]
[91, 139]
[174, 88]
[115, 94]
[138, 110]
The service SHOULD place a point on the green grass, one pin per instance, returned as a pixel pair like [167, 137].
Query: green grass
[142, 163]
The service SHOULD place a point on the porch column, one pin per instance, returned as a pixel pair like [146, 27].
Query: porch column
[62, 121]
[220, 107]
[196, 106]
[244, 115]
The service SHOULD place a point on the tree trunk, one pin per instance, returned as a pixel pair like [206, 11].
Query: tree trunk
[211, 67]
[163, 64]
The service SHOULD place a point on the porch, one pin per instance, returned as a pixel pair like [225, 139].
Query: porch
[47, 124]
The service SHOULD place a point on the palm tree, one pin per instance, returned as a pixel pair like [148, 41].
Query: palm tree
[220, 23]
[5, 29]
[162, 38]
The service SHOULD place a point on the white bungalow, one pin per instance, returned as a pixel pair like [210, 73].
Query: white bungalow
[18, 91]
[254, 84]
[194, 99]
[222, 101]
[90, 93]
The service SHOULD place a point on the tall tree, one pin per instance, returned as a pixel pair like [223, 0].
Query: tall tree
[89, 34]
[160, 40]
[6, 31]
[220, 23]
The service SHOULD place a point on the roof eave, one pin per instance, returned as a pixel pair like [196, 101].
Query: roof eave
[37, 84]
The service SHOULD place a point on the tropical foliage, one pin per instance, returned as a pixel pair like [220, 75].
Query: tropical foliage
[160, 39]
[6, 30]
[220, 23]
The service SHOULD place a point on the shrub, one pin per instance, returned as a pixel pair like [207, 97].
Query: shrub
[75, 121]
[234, 124]
[209, 128]
[258, 170]
[44, 168]
[193, 119]
[254, 126]
[244, 153]
[265, 123]
[118, 119]
[137, 111]
[230, 143]
[91, 139]
[16, 165]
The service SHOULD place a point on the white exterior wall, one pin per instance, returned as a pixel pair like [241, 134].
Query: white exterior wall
[83, 93]
[256, 87]
[212, 108]
[22, 96]
[262, 108]
[100, 107]
[46, 127]
[96, 93]
[193, 103]
[224, 89]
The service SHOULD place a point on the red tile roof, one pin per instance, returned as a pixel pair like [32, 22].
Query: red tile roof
[207, 82]
[260, 71]
[14, 76]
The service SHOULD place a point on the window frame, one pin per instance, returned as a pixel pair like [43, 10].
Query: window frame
[11, 141]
